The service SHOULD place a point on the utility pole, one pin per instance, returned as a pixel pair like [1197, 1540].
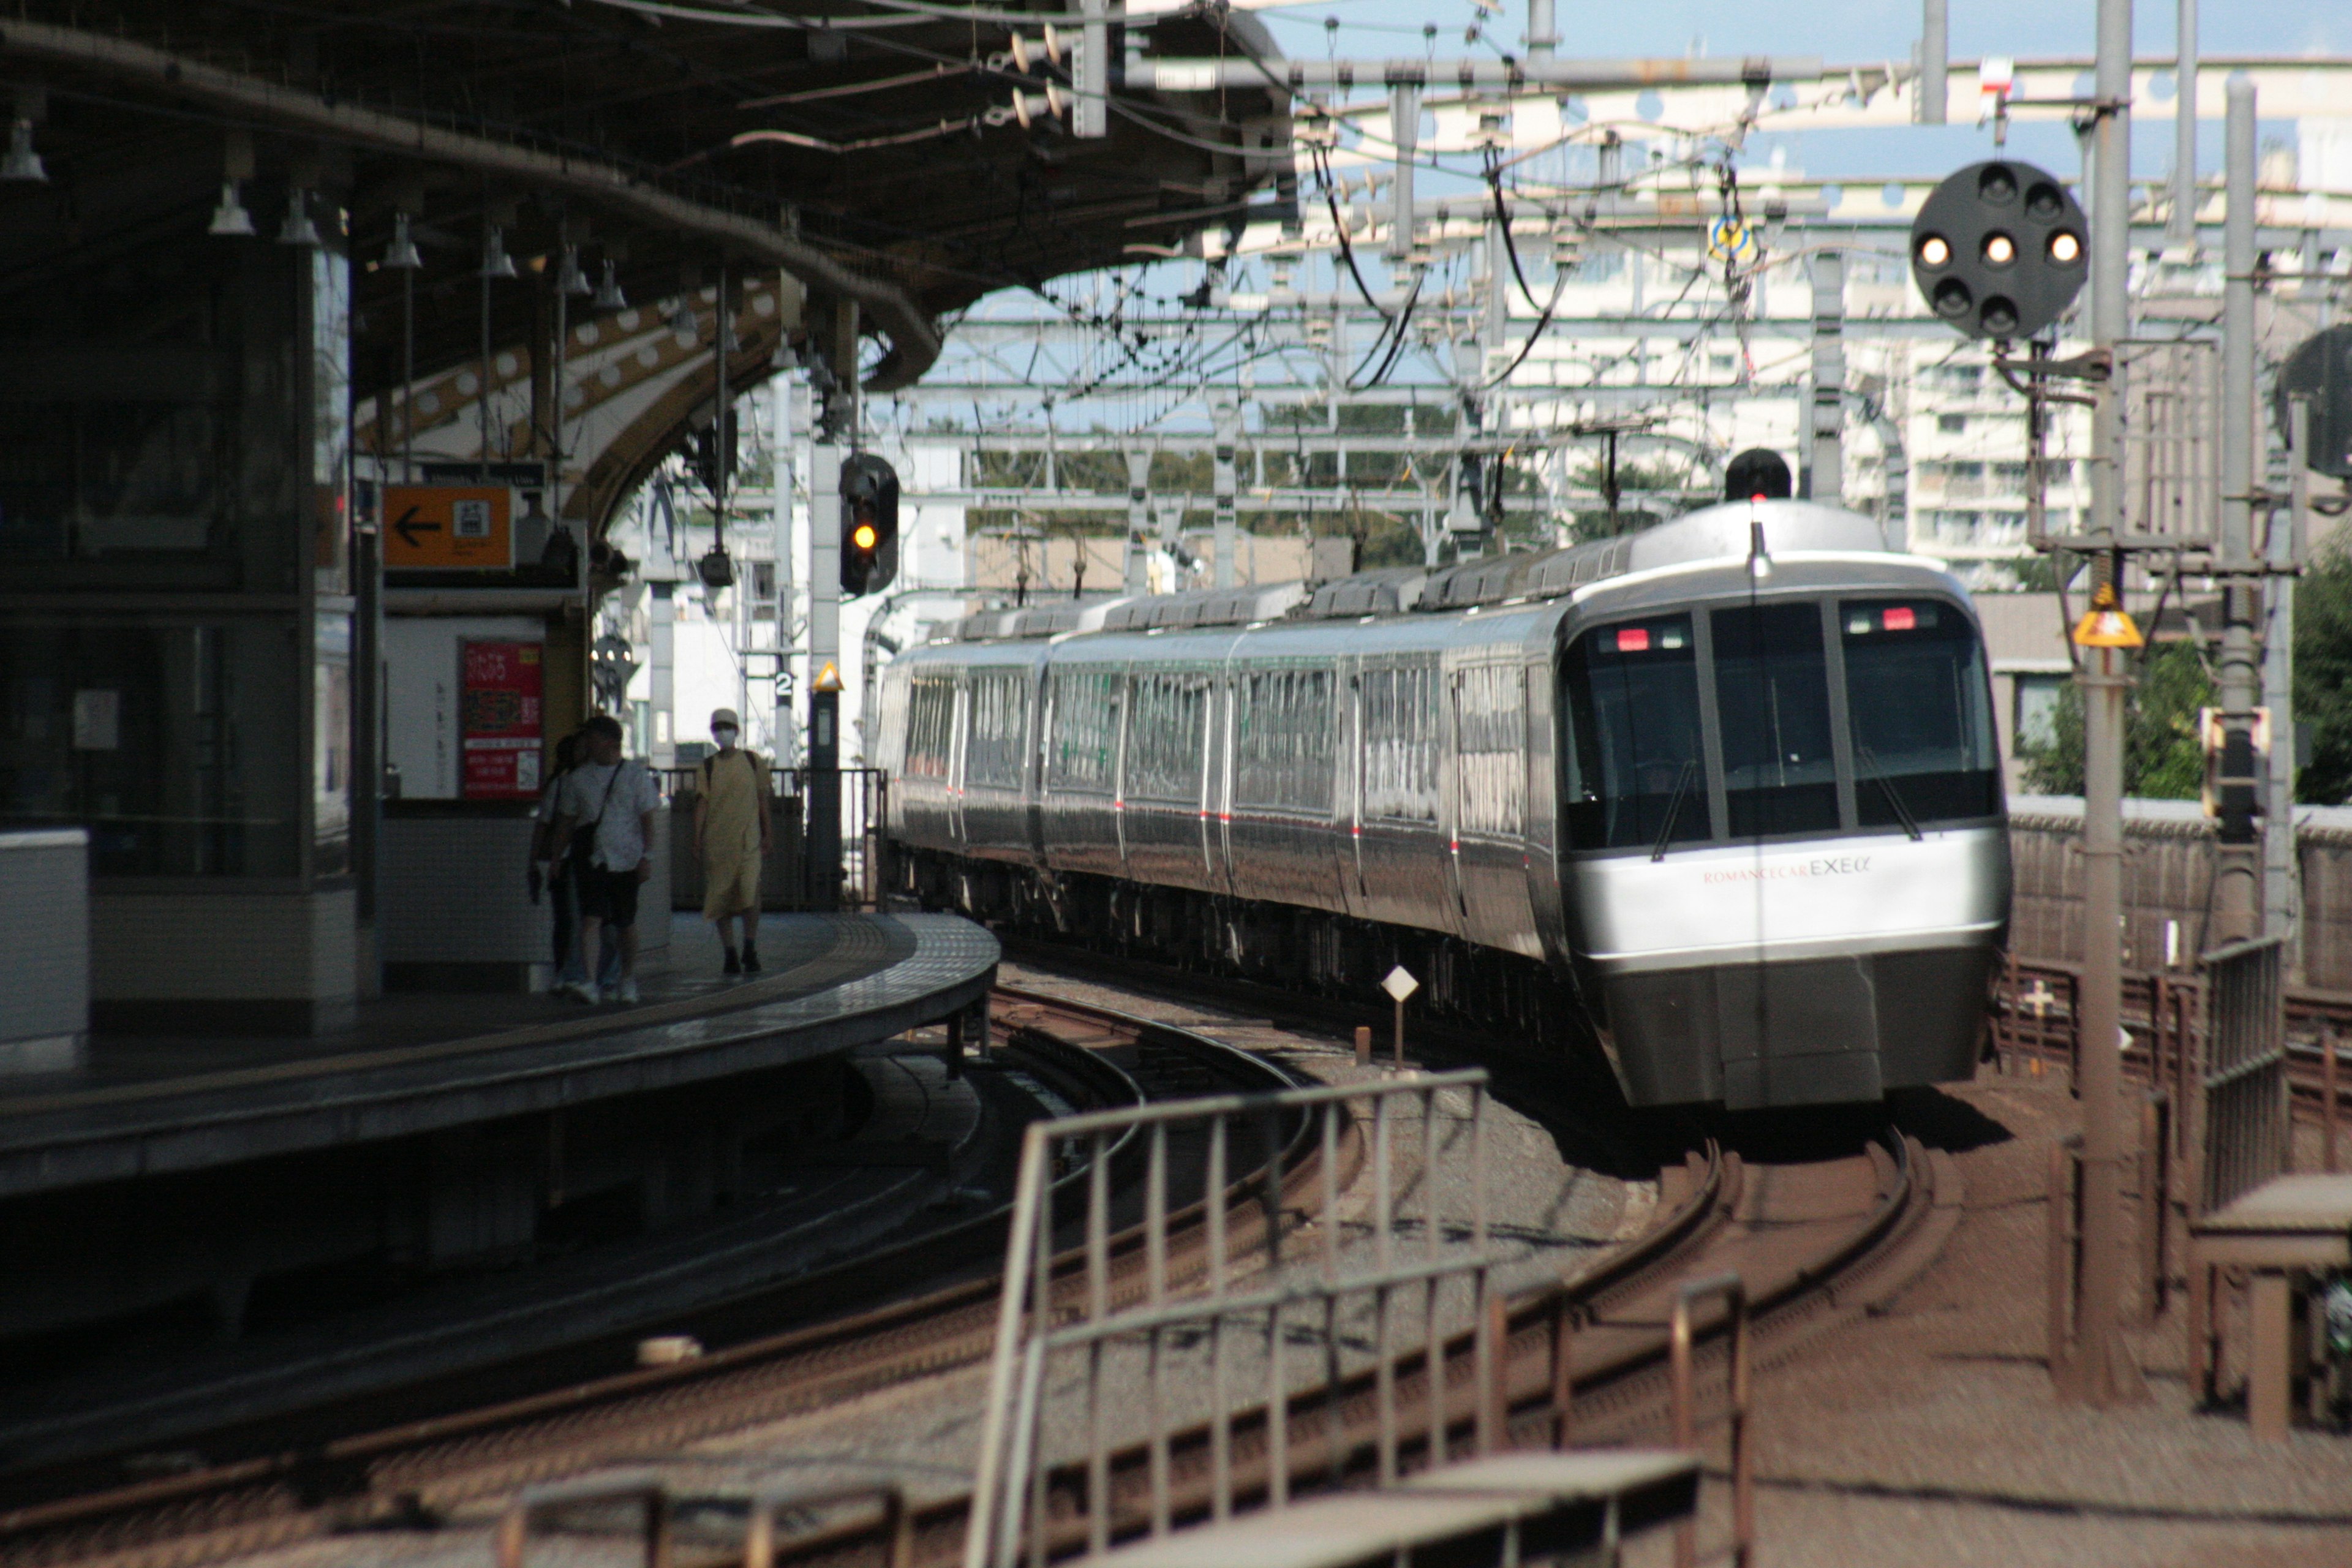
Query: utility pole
[1934, 51]
[2287, 555]
[1824, 448]
[2238, 870]
[782, 395]
[1228, 423]
[837, 421]
[1137, 578]
[2181, 227]
[2106, 1371]
[1404, 130]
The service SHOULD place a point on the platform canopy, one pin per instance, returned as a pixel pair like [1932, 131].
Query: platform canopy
[825, 153]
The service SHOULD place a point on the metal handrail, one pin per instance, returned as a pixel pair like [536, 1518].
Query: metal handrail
[1009, 1497]
[1685, 1426]
[535, 1503]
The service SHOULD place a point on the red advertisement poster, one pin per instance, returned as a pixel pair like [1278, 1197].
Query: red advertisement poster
[499, 721]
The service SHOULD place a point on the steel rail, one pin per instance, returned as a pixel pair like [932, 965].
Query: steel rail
[1792, 1300]
[418, 1470]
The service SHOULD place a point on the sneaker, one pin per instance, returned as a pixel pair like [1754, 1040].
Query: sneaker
[751, 961]
[627, 992]
[734, 966]
[580, 990]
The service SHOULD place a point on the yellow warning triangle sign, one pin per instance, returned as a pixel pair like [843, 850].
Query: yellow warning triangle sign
[828, 678]
[2106, 624]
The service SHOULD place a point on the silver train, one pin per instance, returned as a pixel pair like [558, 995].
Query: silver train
[1721, 798]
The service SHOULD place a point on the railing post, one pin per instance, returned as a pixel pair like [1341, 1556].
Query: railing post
[1686, 1424]
[2059, 1261]
[2155, 1203]
[1563, 1369]
[2327, 1098]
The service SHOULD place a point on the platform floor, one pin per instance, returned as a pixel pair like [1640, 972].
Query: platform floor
[1929, 1437]
[687, 969]
[410, 1062]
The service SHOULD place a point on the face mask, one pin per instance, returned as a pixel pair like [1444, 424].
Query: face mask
[725, 737]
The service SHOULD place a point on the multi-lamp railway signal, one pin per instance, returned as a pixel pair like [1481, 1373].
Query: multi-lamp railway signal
[1999, 251]
[869, 525]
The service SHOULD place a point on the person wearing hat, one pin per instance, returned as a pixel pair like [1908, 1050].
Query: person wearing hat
[731, 840]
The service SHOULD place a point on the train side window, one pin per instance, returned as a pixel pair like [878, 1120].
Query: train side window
[1636, 768]
[999, 724]
[1400, 743]
[931, 716]
[1772, 697]
[1083, 750]
[1493, 763]
[1164, 753]
[1282, 746]
[1922, 713]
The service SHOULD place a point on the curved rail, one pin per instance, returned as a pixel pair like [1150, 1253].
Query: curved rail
[419, 1468]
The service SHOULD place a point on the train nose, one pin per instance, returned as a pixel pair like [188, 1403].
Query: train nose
[1797, 1032]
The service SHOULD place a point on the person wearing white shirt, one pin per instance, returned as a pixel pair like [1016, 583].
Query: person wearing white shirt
[605, 823]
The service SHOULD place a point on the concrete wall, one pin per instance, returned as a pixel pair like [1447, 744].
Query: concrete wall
[2167, 875]
[44, 950]
[188, 959]
[453, 908]
[421, 692]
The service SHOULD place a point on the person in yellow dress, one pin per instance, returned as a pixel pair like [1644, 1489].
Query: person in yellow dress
[731, 840]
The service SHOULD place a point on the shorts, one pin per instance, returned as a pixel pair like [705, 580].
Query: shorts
[608, 896]
[731, 885]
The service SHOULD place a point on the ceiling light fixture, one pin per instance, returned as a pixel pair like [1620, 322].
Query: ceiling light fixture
[401, 256]
[22, 164]
[230, 218]
[496, 262]
[608, 292]
[298, 229]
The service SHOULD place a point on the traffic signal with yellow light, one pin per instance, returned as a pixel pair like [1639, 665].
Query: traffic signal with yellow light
[869, 525]
[1999, 251]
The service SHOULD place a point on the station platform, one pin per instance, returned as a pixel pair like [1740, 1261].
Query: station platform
[151, 1105]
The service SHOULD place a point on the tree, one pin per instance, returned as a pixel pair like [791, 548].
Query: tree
[2162, 757]
[2322, 677]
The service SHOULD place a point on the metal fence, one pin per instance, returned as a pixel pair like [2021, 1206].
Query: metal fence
[2245, 1086]
[1188, 1342]
[789, 880]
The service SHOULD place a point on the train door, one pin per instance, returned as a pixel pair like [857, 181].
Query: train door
[1205, 827]
[959, 748]
[1352, 771]
[1228, 690]
[1118, 769]
[1450, 794]
[1032, 773]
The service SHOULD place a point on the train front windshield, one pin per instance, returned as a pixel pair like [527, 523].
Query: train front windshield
[1918, 745]
[1922, 720]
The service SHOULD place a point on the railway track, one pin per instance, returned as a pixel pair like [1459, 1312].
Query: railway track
[1817, 1240]
[2036, 1013]
[369, 1473]
[1805, 1277]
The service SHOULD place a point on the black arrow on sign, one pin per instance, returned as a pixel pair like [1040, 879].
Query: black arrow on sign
[409, 527]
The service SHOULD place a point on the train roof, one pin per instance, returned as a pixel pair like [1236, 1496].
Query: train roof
[1712, 533]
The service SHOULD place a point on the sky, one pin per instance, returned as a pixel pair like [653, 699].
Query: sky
[1847, 32]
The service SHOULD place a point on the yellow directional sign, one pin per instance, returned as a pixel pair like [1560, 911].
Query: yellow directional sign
[466, 526]
[2106, 624]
